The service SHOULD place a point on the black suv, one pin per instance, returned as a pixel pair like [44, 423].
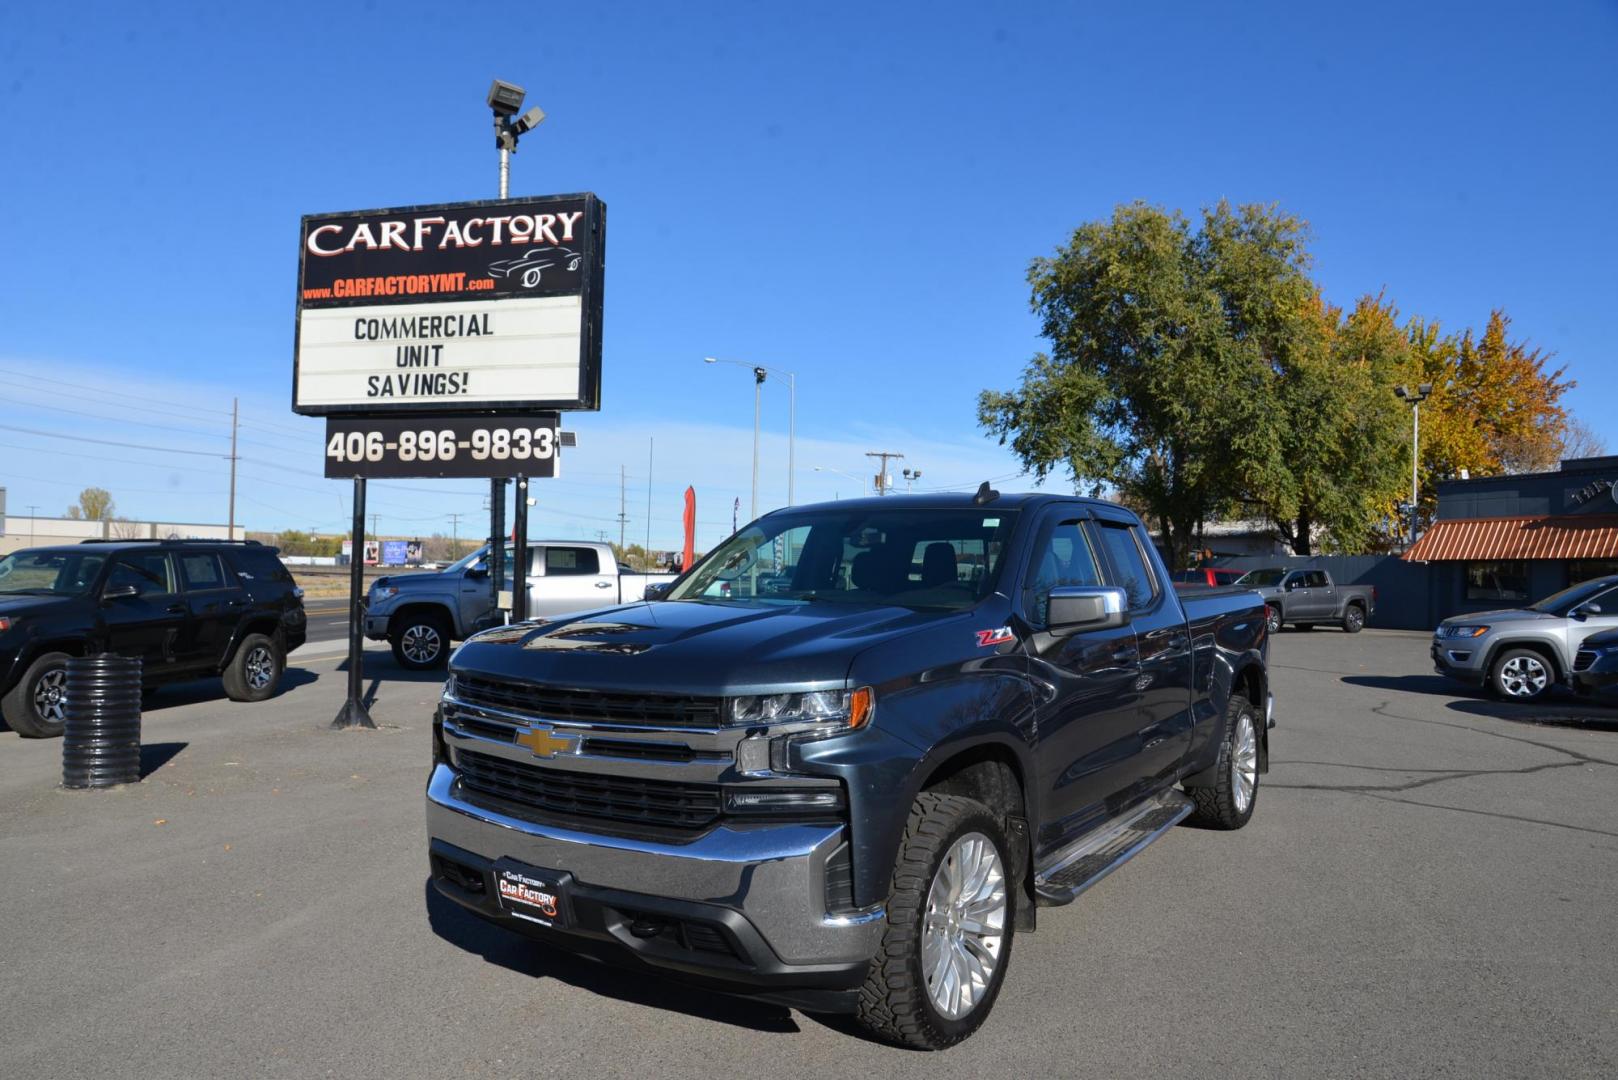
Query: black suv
[186, 608]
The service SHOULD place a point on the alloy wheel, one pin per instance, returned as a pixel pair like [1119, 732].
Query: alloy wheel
[1244, 763]
[963, 928]
[421, 643]
[1272, 619]
[50, 696]
[1356, 617]
[259, 667]
[1524, 677]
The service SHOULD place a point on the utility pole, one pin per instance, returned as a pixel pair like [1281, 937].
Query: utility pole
[623, 518]
[235, 417]
[455, 536]
[33, 513]
[374, 534]
[882, 477]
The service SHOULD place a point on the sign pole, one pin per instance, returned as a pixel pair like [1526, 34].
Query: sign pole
[354, 713]
[497, 541]
[519, 554]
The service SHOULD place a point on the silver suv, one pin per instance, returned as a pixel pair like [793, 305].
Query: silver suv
[1519, 653]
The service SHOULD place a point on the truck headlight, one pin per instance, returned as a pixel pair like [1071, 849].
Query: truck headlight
[384, 592]
[853, 706]
[795, 718]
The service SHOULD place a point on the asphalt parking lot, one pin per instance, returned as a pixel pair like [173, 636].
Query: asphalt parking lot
[1427, 889]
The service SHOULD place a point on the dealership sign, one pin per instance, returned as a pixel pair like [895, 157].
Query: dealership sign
[462, 307]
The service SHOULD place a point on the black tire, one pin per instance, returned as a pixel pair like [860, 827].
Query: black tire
[1220, 804]
[1272, 618]
[895, 1004]
[39, 719]
[420, 641]
[1521, 675]
[1353, 619]
[254, 672]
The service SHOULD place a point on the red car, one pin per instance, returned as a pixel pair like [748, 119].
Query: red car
[1208, 575]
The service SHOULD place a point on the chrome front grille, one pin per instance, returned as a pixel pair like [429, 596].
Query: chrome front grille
[588, 706]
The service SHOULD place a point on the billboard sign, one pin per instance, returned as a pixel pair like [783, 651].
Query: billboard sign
[394, 552]
[460, 307]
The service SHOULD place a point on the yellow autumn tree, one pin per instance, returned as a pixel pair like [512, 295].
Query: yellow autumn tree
[1495, 406]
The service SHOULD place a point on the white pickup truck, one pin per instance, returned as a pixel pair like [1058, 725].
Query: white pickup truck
[421, 614]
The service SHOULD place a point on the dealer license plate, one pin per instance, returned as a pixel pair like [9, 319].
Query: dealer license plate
[527, 892]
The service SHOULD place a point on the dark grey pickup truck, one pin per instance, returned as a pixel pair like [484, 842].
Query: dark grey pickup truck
[1309, 597]
[842, 761]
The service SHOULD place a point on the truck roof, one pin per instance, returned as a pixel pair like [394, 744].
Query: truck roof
[950, 500]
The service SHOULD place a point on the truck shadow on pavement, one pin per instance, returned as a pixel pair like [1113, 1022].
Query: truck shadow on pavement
[466, 931]
[378, 670]
[196, 691]
[1559, 708]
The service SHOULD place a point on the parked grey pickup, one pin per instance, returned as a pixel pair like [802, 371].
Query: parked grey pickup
[1308, 597]
[420, 614]
[841, 762]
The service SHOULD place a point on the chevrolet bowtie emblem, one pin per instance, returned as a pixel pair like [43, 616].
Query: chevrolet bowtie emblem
[544, 743]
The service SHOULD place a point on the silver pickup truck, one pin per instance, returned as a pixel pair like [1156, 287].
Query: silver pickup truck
[421, 614]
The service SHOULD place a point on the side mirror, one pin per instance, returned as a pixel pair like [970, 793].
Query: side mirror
[1074, 608]
[1584, 611]
[118, 592]
[478, 569]
[658, 591]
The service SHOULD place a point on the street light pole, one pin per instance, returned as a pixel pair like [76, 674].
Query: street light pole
[759, 372]
[758, 401]
[1415, 398]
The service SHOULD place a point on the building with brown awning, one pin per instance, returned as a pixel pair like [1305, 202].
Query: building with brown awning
[1501, 541]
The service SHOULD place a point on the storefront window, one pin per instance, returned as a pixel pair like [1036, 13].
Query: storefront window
[1585, 569]
[1497, 580]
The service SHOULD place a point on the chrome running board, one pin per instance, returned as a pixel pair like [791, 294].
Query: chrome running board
[1098, 853]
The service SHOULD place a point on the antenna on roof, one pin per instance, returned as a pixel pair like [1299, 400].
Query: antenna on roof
[985, 495]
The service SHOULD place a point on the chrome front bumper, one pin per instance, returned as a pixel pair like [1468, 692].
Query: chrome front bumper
[774, 875]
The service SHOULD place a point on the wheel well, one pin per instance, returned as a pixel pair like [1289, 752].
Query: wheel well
[1250, 684]
[71, 646]
[268, 627]
[416, 610]
[990, 774]
[1355, 601]
[1539, 647]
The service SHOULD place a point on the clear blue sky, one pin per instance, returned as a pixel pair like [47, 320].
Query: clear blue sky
[851, 192]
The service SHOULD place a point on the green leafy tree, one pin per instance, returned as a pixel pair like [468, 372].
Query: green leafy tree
[1161, 342]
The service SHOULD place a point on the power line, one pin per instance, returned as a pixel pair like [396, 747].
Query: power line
[79, 388]
[112, 442]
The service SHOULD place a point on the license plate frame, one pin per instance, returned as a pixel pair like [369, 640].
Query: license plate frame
[533, 894]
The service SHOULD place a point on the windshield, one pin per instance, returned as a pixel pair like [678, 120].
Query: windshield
[1571, 597]
[49, 573]
[1262, 578]
[911, 558]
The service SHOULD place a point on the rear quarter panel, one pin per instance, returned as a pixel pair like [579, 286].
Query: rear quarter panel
[1230, 647]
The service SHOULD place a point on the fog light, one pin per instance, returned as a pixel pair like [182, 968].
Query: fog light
[783, 800]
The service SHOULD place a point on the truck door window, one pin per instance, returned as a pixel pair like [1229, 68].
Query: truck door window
[201, 571]
[150, 574]
[1061, 557]
[1128, 564]
[566, 561]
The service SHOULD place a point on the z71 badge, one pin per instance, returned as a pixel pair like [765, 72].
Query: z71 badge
[987, 638]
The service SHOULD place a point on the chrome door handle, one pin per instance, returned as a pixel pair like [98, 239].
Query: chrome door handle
[603, 584]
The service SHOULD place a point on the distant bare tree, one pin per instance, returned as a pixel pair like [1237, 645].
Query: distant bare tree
[1579, 441]
[122, 528]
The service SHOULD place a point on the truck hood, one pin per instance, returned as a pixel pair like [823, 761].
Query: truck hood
[430, 579]
[1492, 617]
[16, 607]
[692, 647]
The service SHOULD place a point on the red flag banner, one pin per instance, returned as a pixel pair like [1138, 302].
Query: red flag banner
[689, 556]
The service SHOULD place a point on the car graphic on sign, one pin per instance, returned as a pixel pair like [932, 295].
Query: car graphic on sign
[529, 267]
